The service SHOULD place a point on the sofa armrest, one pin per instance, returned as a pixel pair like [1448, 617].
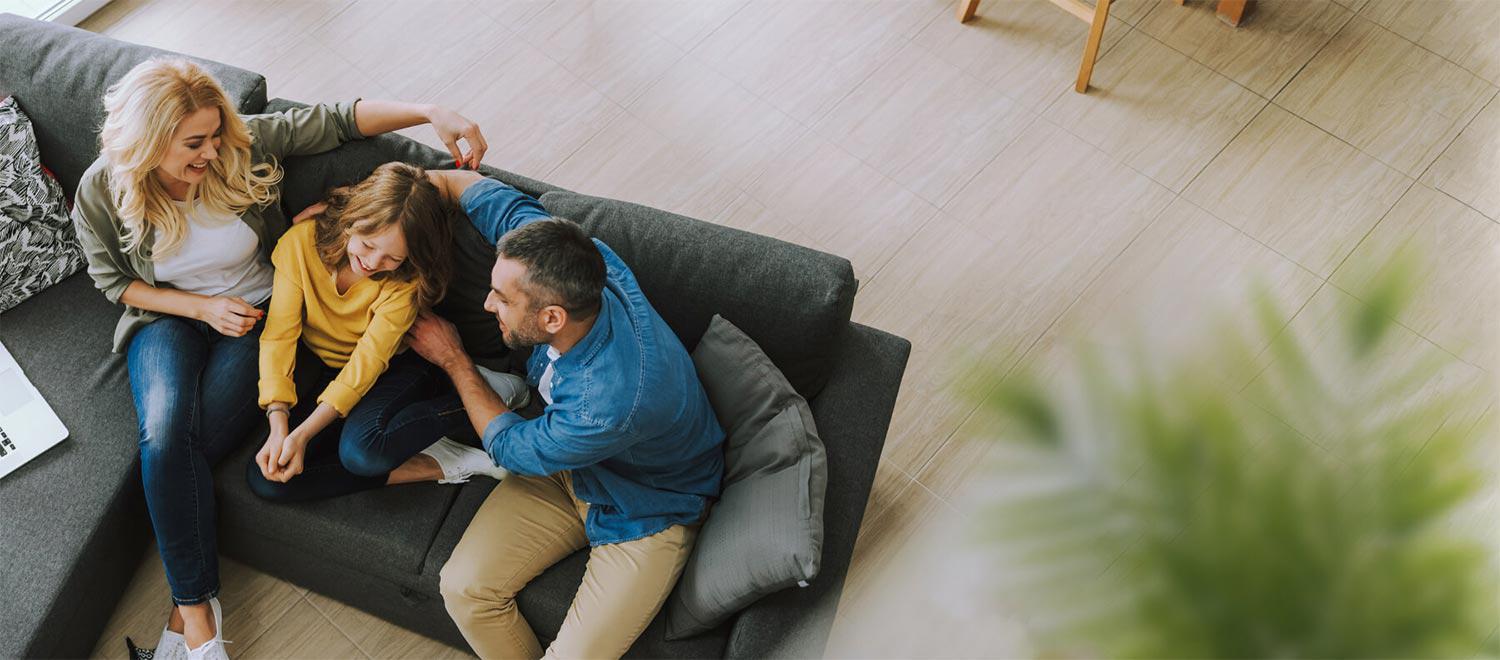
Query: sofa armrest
[853, 413]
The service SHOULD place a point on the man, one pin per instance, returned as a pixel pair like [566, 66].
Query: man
[624, 457]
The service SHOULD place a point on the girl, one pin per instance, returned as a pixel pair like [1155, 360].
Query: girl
[177, 218]
[348, 285]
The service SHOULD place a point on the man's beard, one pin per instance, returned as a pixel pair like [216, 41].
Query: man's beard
[527, 336]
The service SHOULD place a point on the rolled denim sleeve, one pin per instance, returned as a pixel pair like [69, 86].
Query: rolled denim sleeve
[496, 208]
[551, 443]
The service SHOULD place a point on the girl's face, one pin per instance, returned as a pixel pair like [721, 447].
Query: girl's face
[194, 145]
[377, 252]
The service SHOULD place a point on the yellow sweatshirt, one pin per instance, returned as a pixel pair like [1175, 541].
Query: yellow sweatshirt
[356, 332]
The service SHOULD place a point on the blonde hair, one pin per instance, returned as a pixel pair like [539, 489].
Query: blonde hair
[143, 110]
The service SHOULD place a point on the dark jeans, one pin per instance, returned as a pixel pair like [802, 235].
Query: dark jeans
[194, 392]
[411, 406]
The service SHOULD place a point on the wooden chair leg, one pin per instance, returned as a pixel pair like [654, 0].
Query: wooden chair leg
[966, 9]
[1091, 48]
[1231, 11]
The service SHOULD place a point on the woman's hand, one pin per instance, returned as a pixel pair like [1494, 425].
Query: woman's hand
[230, 316]
[310, 212]
[452, 127]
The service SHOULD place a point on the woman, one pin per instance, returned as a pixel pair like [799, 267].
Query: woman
[177, 218]
[348, 286]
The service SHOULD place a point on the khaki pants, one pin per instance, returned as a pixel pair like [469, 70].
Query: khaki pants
[530, 523]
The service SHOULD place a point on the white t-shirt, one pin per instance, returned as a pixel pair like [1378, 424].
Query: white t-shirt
[220, 256]
[544, 387]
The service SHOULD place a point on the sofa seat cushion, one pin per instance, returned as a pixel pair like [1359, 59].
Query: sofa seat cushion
[795, 302]
[72, 518]
[384, 531]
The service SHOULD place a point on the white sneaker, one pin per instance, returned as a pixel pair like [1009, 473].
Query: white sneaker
[460, 461]
[171, 646]
[512, 388]
[212, 649]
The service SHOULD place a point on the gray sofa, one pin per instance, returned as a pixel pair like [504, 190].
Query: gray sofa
[72, 523]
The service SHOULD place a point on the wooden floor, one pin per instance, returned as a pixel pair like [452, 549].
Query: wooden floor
[990, 211]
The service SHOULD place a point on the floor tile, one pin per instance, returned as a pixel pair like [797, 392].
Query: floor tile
[1049, 188]
[1462, 31]
[1469, 169]
[931, 595]
[533, 112]
[445, 37]
[1322, 330]
[842, 203]
[972, 301]
[1171, 296]
[715, 121]
[378, 639]
[332, 81]
[302, 632]
[1385, 95]
[252, 602]
[924, 123]
[1276, 40]
[1297, 189]
[803, 57]
[749, 215]
[685, 23]
[1457, 256]
[1028, 49]
[603, 42]
[627, 160]
[1184, 282]
[1157, 110]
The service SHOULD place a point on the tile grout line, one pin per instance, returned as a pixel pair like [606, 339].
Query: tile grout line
[284, 614]
[336, 626]
[1495, 92]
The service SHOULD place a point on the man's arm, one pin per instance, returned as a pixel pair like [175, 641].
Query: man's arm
[437, 341]
[492, 206]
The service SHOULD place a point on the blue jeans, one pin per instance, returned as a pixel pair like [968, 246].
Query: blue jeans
[194, 392]
[411, 406]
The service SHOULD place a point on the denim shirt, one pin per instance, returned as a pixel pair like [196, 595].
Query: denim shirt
[628, 415]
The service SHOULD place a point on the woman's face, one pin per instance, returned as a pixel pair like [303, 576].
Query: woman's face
[376, 252]
[194, 145]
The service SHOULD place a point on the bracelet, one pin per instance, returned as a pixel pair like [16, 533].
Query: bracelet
[277, 409]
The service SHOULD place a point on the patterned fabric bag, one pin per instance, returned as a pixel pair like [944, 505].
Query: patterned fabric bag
[37, 244]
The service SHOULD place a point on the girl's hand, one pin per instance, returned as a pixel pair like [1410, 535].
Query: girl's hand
[452, 127]
[232, 317]
[289, 462]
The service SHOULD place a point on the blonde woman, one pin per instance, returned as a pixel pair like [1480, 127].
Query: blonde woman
[178, 218]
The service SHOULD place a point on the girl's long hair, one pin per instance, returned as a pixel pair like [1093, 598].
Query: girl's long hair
[394, 194]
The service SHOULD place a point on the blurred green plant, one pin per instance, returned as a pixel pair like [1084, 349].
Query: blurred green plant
[1149, 509]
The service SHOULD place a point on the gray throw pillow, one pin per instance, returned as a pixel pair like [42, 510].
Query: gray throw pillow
[766, 531]
[37, 245]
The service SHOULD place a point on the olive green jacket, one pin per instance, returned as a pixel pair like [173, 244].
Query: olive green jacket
[273, 136]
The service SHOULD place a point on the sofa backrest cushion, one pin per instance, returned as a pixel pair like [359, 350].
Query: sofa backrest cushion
[59, 74]
[793, 301]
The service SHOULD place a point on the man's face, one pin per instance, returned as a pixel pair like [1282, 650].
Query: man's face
[520, 325]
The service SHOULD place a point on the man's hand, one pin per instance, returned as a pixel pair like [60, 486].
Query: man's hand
[309, 212]
[436, 340]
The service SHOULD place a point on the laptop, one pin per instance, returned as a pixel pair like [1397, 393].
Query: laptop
[28, 426]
